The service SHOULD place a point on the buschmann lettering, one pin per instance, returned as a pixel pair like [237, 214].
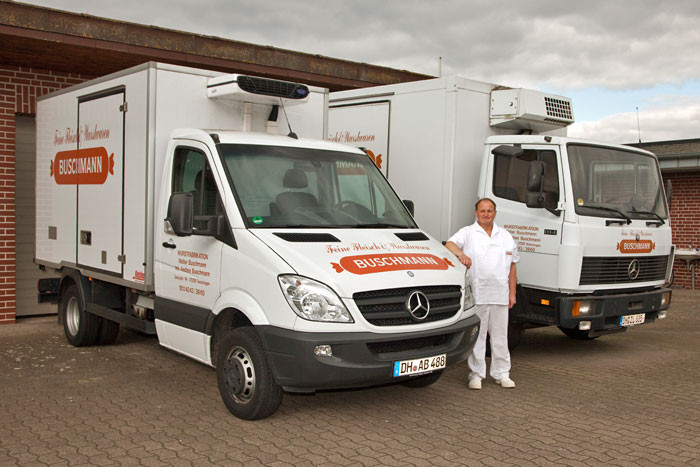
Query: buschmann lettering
[376, 263]
[87, 166]
[390, 261]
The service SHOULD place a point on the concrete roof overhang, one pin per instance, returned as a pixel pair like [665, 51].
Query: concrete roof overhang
[46, 38]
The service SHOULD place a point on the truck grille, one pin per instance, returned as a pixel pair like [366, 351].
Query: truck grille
[603, 270]
[425, 343]
[388, 307]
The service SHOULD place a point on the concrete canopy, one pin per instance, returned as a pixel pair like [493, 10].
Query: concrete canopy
[32, 36]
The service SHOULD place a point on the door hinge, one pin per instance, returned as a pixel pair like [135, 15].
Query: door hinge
[121, 259]
[124, 107]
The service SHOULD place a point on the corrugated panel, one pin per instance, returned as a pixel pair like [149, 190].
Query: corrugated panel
[27, 272]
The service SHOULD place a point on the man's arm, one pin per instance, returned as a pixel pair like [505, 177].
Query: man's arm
[457, 251]
[512, 284]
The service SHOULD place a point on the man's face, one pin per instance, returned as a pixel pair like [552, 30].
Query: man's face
[485, 213]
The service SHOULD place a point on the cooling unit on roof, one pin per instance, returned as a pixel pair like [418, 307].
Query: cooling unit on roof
[256, 90]
[529, 110]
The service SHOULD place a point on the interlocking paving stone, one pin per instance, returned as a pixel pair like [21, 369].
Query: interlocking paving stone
[626, 399]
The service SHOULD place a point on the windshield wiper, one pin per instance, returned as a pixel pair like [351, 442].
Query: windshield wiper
[650, 213]
[605, 208]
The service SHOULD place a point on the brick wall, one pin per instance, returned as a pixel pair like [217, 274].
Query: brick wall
[685, 221]
[19, 88]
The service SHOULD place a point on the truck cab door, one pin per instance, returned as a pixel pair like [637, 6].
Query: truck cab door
[536, 230]
[187, 267]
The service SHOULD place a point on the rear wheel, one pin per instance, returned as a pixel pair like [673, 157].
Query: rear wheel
[422, 381]
[81, 328]
[245, 379]
[577, 334]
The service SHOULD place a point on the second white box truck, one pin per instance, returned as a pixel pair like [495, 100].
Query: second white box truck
[179, 202]
[590, 219]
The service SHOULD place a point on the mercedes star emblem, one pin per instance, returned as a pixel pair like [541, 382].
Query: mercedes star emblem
[418, 305]
[633, 269]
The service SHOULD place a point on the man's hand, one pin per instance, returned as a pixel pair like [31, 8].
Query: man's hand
[457, 251]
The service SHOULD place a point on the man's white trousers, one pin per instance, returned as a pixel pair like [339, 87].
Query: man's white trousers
[494, 321]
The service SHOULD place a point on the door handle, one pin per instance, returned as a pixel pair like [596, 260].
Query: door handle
[168, 245]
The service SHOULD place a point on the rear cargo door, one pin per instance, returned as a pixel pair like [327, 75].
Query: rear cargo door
[97, 167]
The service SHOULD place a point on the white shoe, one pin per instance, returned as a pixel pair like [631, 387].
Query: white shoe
[474, 383]
[506, 382]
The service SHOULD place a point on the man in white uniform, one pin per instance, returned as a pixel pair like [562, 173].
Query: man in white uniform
[490, 254]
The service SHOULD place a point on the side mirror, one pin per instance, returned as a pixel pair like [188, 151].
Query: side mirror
[180, 209]
[409, 205]
[507, 151]
[534, 176]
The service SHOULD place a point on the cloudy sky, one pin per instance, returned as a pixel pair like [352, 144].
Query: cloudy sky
[621, 61]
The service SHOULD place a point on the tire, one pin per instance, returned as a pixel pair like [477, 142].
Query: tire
[515, 334]
[81, 328]
[577, 334]
[422, 381]
[244, 376]
[109, 330]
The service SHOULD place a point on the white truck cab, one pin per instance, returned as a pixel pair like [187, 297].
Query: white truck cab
[184, 205]
[592, 227]
[590, 219]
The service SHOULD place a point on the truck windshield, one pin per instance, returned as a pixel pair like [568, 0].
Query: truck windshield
[286, 187]
[610, 182]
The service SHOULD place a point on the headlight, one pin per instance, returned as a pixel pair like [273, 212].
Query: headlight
[468, 293]
[313, 301]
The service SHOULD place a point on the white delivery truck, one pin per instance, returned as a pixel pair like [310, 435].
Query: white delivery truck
[178, 202]
[590, 219]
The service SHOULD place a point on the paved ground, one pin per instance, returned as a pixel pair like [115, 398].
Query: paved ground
[624, 399]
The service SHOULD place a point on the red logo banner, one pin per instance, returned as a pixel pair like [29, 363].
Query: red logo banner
[370, 264]
[89, 166]
[636, 246]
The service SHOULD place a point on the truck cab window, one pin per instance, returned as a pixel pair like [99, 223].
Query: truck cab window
[192, 173]
[510, 176]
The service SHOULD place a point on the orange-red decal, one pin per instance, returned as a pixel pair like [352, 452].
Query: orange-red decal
[370, 264]
[636, 246]
[377, 159]
[337, 267]
[89, 166]
[449, 263]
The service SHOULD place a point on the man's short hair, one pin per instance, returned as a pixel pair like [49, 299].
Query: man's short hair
[476, 206]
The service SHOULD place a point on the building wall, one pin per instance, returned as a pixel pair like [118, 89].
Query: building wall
[19, 88]
[685, 221]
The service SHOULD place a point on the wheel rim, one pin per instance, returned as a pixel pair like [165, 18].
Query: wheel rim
[240, 375]
[73, 315]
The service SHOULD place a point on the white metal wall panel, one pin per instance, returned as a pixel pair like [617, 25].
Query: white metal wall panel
[55, 203]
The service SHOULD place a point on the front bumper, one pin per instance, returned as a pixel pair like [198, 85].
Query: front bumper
[359, 359]
[609, 309]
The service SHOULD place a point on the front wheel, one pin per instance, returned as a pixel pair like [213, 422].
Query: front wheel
[245, 379]
[81, 328]
[577, 334]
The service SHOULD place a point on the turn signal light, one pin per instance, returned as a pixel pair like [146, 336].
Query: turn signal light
[582, 308]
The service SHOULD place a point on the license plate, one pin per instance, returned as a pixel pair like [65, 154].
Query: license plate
[420, 365]
[631, 320]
